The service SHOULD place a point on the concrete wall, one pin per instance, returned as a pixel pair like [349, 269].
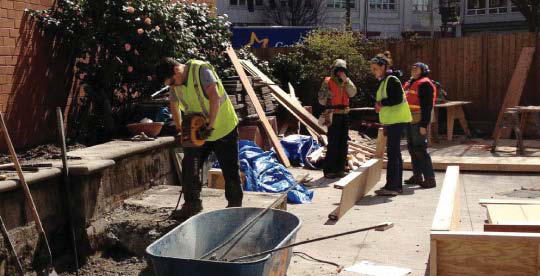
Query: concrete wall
[98, 186]
[387, 23]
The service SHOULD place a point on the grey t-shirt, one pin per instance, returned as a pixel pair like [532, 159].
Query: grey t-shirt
[206, 77]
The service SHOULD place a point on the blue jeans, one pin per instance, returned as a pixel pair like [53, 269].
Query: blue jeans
[420, 158]
[394, 168]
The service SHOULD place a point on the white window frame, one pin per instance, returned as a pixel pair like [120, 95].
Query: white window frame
[333, 4]
[423, 7]
[497, 10]
[477, 11]
[383, 3]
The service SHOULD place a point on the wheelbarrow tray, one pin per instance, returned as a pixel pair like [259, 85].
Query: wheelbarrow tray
[177, 252]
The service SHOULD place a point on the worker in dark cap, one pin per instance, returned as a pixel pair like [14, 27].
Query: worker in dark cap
[421, 94]
[334, 95]
[394, 114]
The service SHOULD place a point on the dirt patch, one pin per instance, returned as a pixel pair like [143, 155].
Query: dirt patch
[114, 265]
[42, 152]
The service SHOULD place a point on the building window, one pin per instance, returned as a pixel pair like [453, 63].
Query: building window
[340, 4]
[420, 5]
[382, 5]
[237, 2]
[243, 2]
[513, 7]
[498, 6]
[476, 7]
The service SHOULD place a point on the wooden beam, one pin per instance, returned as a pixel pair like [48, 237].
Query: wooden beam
[433, 258]
[448, 209]
[356, 185]
[484, 202]
[292, 91]
[511, 228]
[285, 99]
[258, 108]
[515, 88]
[486, 253]
[483, 164]
[381, 144]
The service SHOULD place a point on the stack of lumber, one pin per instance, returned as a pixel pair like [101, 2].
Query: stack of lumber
[243, 105]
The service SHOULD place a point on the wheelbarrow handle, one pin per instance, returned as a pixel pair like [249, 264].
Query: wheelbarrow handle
[380, 227]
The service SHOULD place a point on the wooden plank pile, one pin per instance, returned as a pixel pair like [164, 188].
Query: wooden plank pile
[243, 105]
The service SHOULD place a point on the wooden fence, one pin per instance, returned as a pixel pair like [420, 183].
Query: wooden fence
[475, 68]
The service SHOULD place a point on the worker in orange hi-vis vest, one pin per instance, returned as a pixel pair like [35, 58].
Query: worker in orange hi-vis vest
[421, 94]
[334, 95]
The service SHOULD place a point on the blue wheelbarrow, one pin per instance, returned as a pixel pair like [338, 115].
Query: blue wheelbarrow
[178, 253]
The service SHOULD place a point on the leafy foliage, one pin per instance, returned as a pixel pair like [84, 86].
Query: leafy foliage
[307, 65]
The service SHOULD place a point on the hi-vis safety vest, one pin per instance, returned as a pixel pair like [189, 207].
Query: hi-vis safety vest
[192, 100]
[395, 114]
[412, 93]
[339, 93]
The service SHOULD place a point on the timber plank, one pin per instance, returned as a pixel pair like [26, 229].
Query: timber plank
[356, 185]
[258, 108]
[448, 209]
[485, 164]
[483, 202]
[515, 88]
[511, 228]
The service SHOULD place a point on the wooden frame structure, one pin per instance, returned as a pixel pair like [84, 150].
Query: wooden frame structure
[469, 253]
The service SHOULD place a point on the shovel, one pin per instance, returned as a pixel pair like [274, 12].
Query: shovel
[50, 269]
[11, 247]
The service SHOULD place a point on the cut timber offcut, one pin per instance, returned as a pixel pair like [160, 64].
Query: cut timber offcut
[356, 185]
[260, 112]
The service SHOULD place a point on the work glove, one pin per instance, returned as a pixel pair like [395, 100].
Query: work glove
[204, 132]
[327, 118]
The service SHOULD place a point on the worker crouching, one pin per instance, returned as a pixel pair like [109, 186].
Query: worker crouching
[421, 96]
[195, 89]
[334, 96]
[394, 114]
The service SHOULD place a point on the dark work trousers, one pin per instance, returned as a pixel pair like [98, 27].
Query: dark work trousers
[338, 138]
[226, 150]
[394, 168]
[417, 145]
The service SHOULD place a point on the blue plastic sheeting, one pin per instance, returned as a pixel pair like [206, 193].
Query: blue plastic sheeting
[265, 174]
[298, 147]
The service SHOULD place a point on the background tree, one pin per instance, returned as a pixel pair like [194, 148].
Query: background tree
[294, 12]
[531, 10]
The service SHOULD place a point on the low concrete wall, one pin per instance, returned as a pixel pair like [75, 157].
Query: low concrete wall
[106, 175]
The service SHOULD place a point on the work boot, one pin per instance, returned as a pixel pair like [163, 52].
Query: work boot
[188, 210]
[429, 183]
[385, 192]
[234, 204]
[414, 180]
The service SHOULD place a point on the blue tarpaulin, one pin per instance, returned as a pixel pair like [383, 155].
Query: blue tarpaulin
[298, 147]
[265, 174]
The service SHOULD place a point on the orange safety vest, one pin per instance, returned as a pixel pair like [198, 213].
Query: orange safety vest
[339, 93]
[412, 93]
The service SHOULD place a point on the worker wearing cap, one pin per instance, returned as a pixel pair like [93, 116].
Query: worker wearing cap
[421, 95]
[394, 114]
[197, 89]
[334, 95]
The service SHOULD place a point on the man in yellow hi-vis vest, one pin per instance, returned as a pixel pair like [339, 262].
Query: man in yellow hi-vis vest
[196, 88]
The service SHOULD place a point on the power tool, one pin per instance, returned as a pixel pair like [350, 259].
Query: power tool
[195, 130]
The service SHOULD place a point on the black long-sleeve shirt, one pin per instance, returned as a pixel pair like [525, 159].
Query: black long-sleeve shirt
[394, 92]
[425, 95]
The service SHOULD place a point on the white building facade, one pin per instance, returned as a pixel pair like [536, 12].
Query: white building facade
[385, 18]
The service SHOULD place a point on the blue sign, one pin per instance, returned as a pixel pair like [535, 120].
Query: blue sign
[267, 37]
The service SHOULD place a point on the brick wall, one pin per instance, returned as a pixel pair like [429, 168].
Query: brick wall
[34, 79]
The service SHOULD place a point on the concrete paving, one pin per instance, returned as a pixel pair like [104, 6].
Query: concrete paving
[407, 244]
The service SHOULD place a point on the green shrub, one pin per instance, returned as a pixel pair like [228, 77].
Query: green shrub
[311, 61]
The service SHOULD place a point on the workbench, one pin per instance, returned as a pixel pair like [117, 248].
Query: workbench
[454, 110]
[516, 119]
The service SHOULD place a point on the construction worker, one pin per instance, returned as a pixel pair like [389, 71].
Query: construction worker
[195, 88]
[334, 95]
[421, 95]
[394, 114]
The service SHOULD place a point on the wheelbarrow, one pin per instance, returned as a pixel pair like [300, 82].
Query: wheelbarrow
[179, 252]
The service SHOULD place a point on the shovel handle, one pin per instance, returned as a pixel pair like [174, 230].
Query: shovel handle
[24, 185]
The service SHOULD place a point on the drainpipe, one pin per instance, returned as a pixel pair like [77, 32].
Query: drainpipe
[431, 17]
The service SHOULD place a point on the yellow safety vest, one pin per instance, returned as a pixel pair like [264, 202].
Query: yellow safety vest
[396, 114]
[192, 100]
